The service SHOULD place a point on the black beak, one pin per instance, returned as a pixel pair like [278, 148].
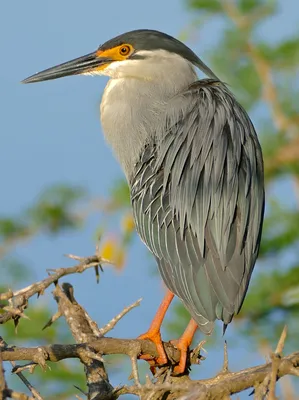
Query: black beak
[78, 66]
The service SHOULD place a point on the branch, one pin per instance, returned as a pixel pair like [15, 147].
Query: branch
[83, 330]
[32, 389]
[19, 299]
[15, 395]
[91, 346]
[231, 382]
[103, 345]
[5, 392]
[275, 364]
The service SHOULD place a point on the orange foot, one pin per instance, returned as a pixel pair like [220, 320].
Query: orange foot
[183, 344]
[184, 348]
[155, 337]
[153, 334]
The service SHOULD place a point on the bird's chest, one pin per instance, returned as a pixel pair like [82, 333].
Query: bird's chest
[129, 117]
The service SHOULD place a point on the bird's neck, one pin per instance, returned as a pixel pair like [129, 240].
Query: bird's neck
[131, 109]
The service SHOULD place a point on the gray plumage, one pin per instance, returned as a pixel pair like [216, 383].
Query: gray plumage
[193, 163]
[198, 201]
[195, 170]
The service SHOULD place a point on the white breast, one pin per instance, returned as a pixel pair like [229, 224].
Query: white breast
[128, 119]
[132, 104]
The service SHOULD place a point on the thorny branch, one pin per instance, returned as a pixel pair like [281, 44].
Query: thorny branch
[35, 392]
[6, 393]
[19, 299]
[91, 346]
[223, 383]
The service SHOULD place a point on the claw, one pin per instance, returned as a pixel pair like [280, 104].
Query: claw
[155, 337]
[183, 344]
[183, 347]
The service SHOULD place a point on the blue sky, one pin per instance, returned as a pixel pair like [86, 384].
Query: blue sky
[50, 133]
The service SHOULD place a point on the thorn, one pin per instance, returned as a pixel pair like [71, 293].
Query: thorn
[54, 318]
[195, 356]
[96, 268]
[225, 369]
[17, 313]
[108, 327]
[135, 370]
[280, 344]
[73, 257]
[19, 368]
[81, 390]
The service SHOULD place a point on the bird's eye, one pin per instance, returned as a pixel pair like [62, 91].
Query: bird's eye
[124, 50]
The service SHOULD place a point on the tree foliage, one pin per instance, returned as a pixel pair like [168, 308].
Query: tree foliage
[262, 74]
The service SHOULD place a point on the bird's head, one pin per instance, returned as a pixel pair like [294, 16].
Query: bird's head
[136, 52]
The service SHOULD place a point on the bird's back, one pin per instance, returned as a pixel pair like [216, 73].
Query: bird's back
[198, 200]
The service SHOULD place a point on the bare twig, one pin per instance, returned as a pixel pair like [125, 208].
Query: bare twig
[135, 370]
[195, 356]
[276, 360]
[17, 369]
[20, 297]
[111, 324]
[85, 263]
[225, 360]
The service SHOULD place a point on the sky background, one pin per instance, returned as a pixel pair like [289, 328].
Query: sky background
[50, 133]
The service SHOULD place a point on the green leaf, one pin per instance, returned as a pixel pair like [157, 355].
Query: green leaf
[211, 6]
[10, 228]
[120, 194]
[263, 8]
[246, 6]
[280, 231]
[53, 211]
[283, 56]
[62, 194]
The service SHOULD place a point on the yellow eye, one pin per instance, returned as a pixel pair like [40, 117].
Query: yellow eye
[124, 50]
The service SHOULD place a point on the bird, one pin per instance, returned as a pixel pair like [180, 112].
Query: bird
[194, 167]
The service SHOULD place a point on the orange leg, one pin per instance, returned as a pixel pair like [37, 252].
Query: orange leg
[183, 344]
[154, 334]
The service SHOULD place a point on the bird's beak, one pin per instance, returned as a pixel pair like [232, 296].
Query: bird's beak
[90, 62]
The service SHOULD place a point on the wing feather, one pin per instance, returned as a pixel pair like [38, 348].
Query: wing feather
[198, 201]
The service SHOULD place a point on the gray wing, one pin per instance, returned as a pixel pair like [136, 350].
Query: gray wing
[198, 201]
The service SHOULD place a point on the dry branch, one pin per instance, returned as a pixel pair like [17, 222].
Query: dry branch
[91, 346]
[224, 383]
[7, 393]
[83, 330]
[19, 299]
[36, 394]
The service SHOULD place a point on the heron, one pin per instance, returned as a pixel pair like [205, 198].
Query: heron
[194, 166]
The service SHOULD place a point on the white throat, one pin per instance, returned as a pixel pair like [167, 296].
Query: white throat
[134, 101]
